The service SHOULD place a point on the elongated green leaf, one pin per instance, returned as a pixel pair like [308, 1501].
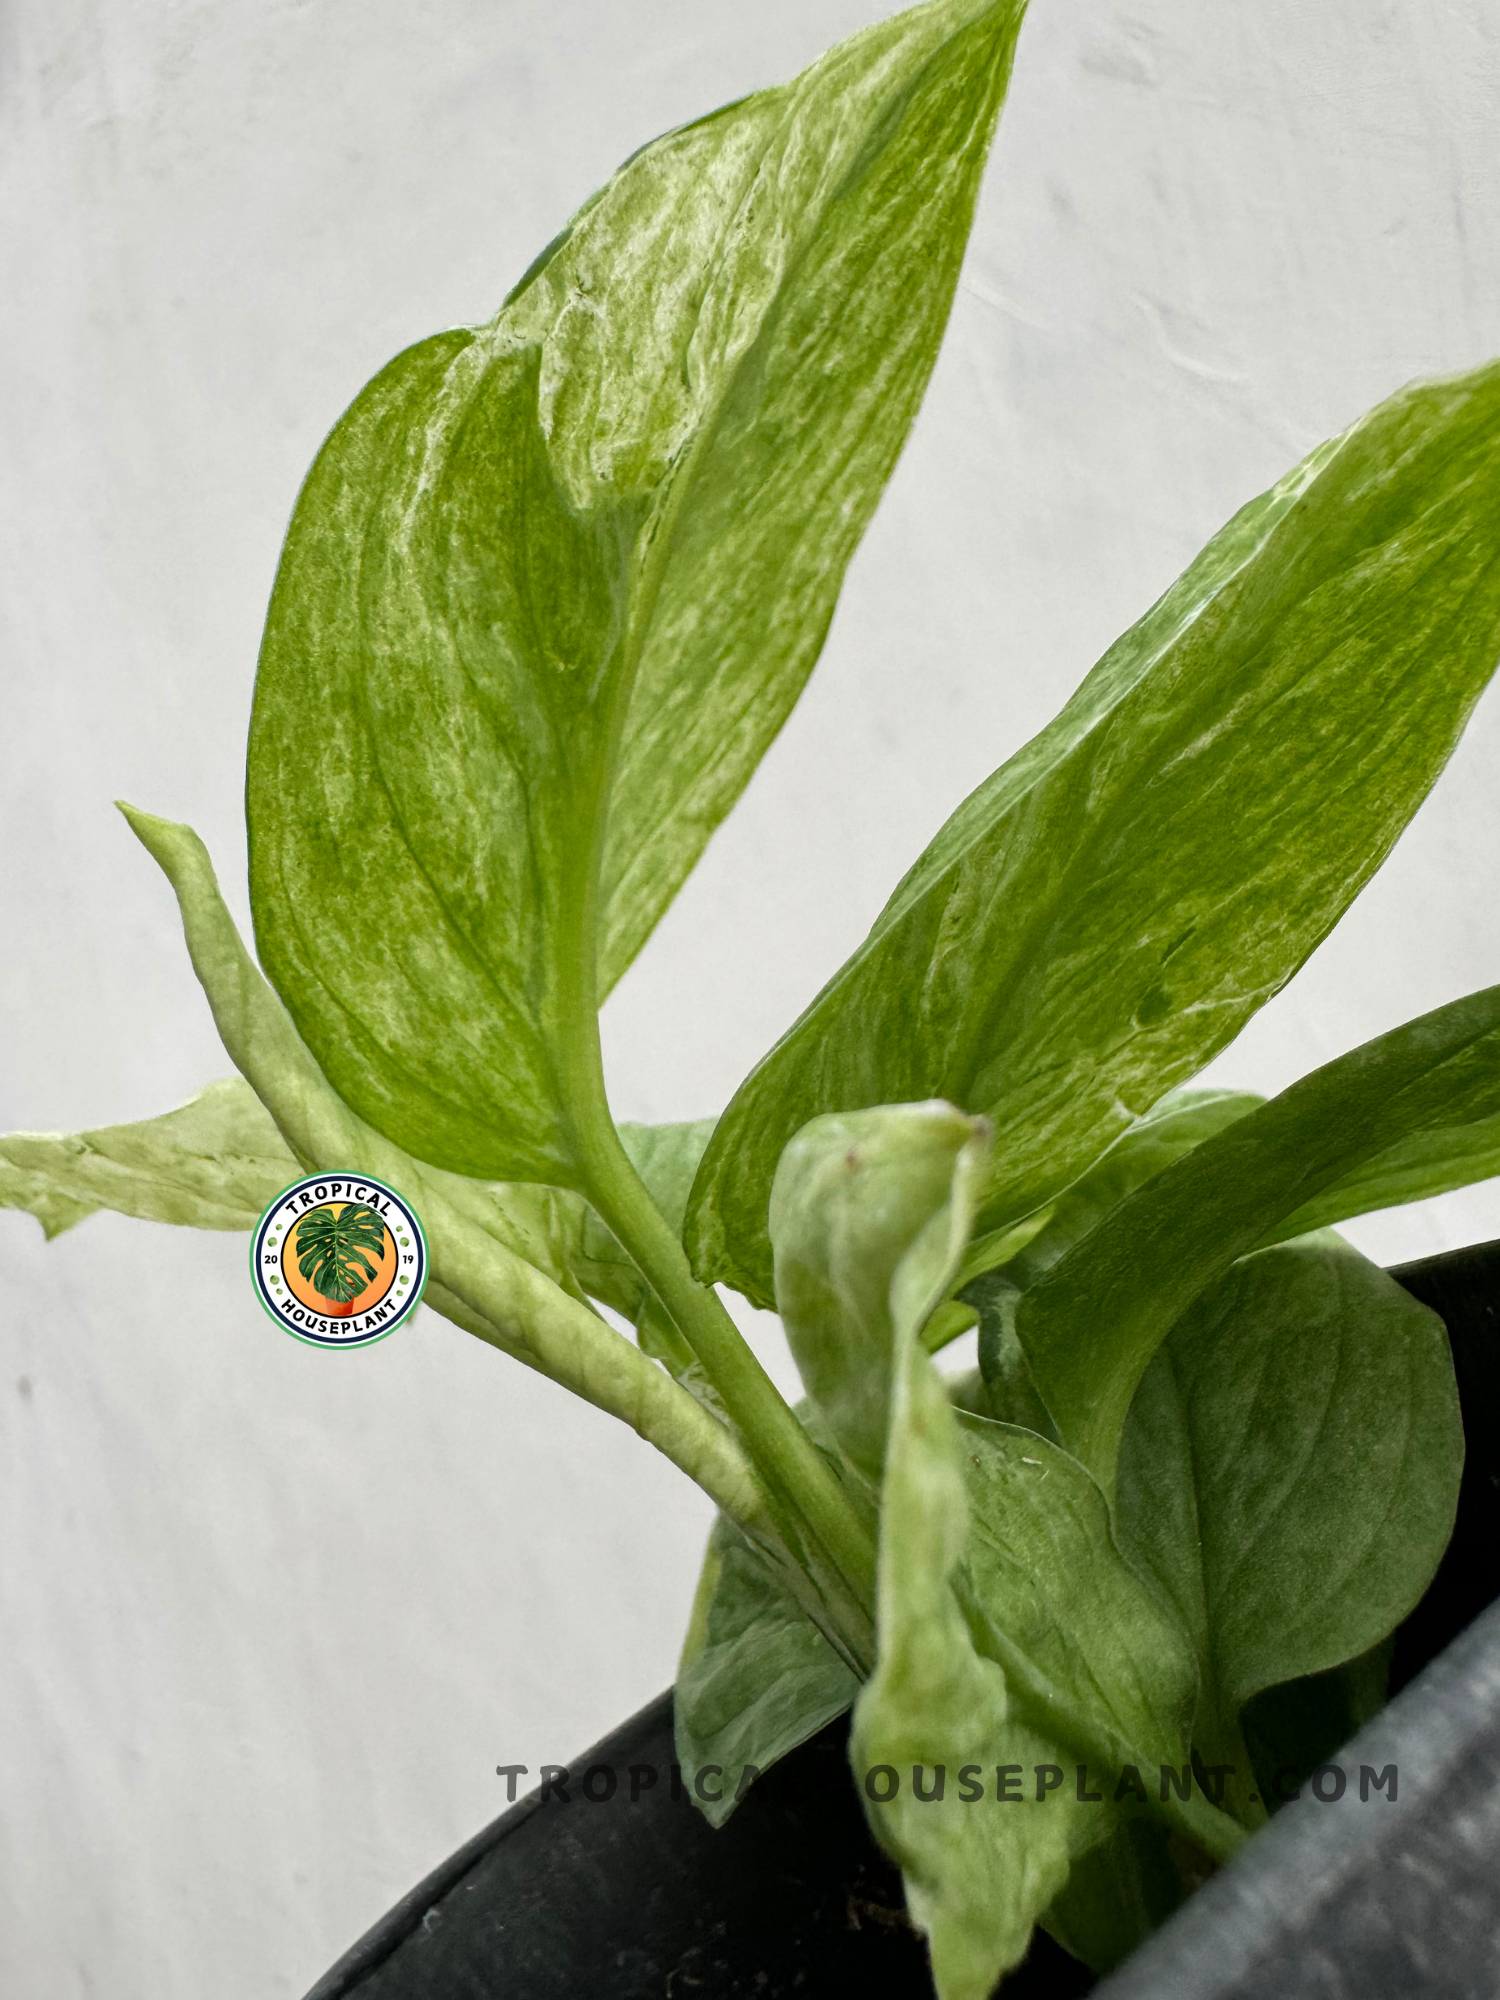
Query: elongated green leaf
[216, 1163]
[979, 1871]
[1108, 910]
[852, 1195]
[1091, 1647]
[977, 1876]
[1289, 1474]
[999, 1266]
[756, 1677]
[1091, 1325]
[554, 584]
[1423, 1164]
[1094, 1659]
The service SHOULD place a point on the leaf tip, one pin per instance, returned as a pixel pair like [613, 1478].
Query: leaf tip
[171, 844]
[141, 823]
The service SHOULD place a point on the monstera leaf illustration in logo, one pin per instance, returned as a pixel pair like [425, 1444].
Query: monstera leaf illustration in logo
[332, 1246]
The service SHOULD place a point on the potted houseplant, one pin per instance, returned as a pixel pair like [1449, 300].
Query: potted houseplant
[549, 592]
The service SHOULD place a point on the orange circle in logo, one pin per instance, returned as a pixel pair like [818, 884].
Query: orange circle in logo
[385, 1267]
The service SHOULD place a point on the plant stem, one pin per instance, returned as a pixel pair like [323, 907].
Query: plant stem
[1219, 1742]
[798, 1478]
[1208, 1825]
[803, 1493]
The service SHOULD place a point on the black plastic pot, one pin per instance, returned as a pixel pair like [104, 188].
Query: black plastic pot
[622, 1891]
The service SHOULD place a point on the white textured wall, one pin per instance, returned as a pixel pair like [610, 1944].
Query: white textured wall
[272, 1616]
